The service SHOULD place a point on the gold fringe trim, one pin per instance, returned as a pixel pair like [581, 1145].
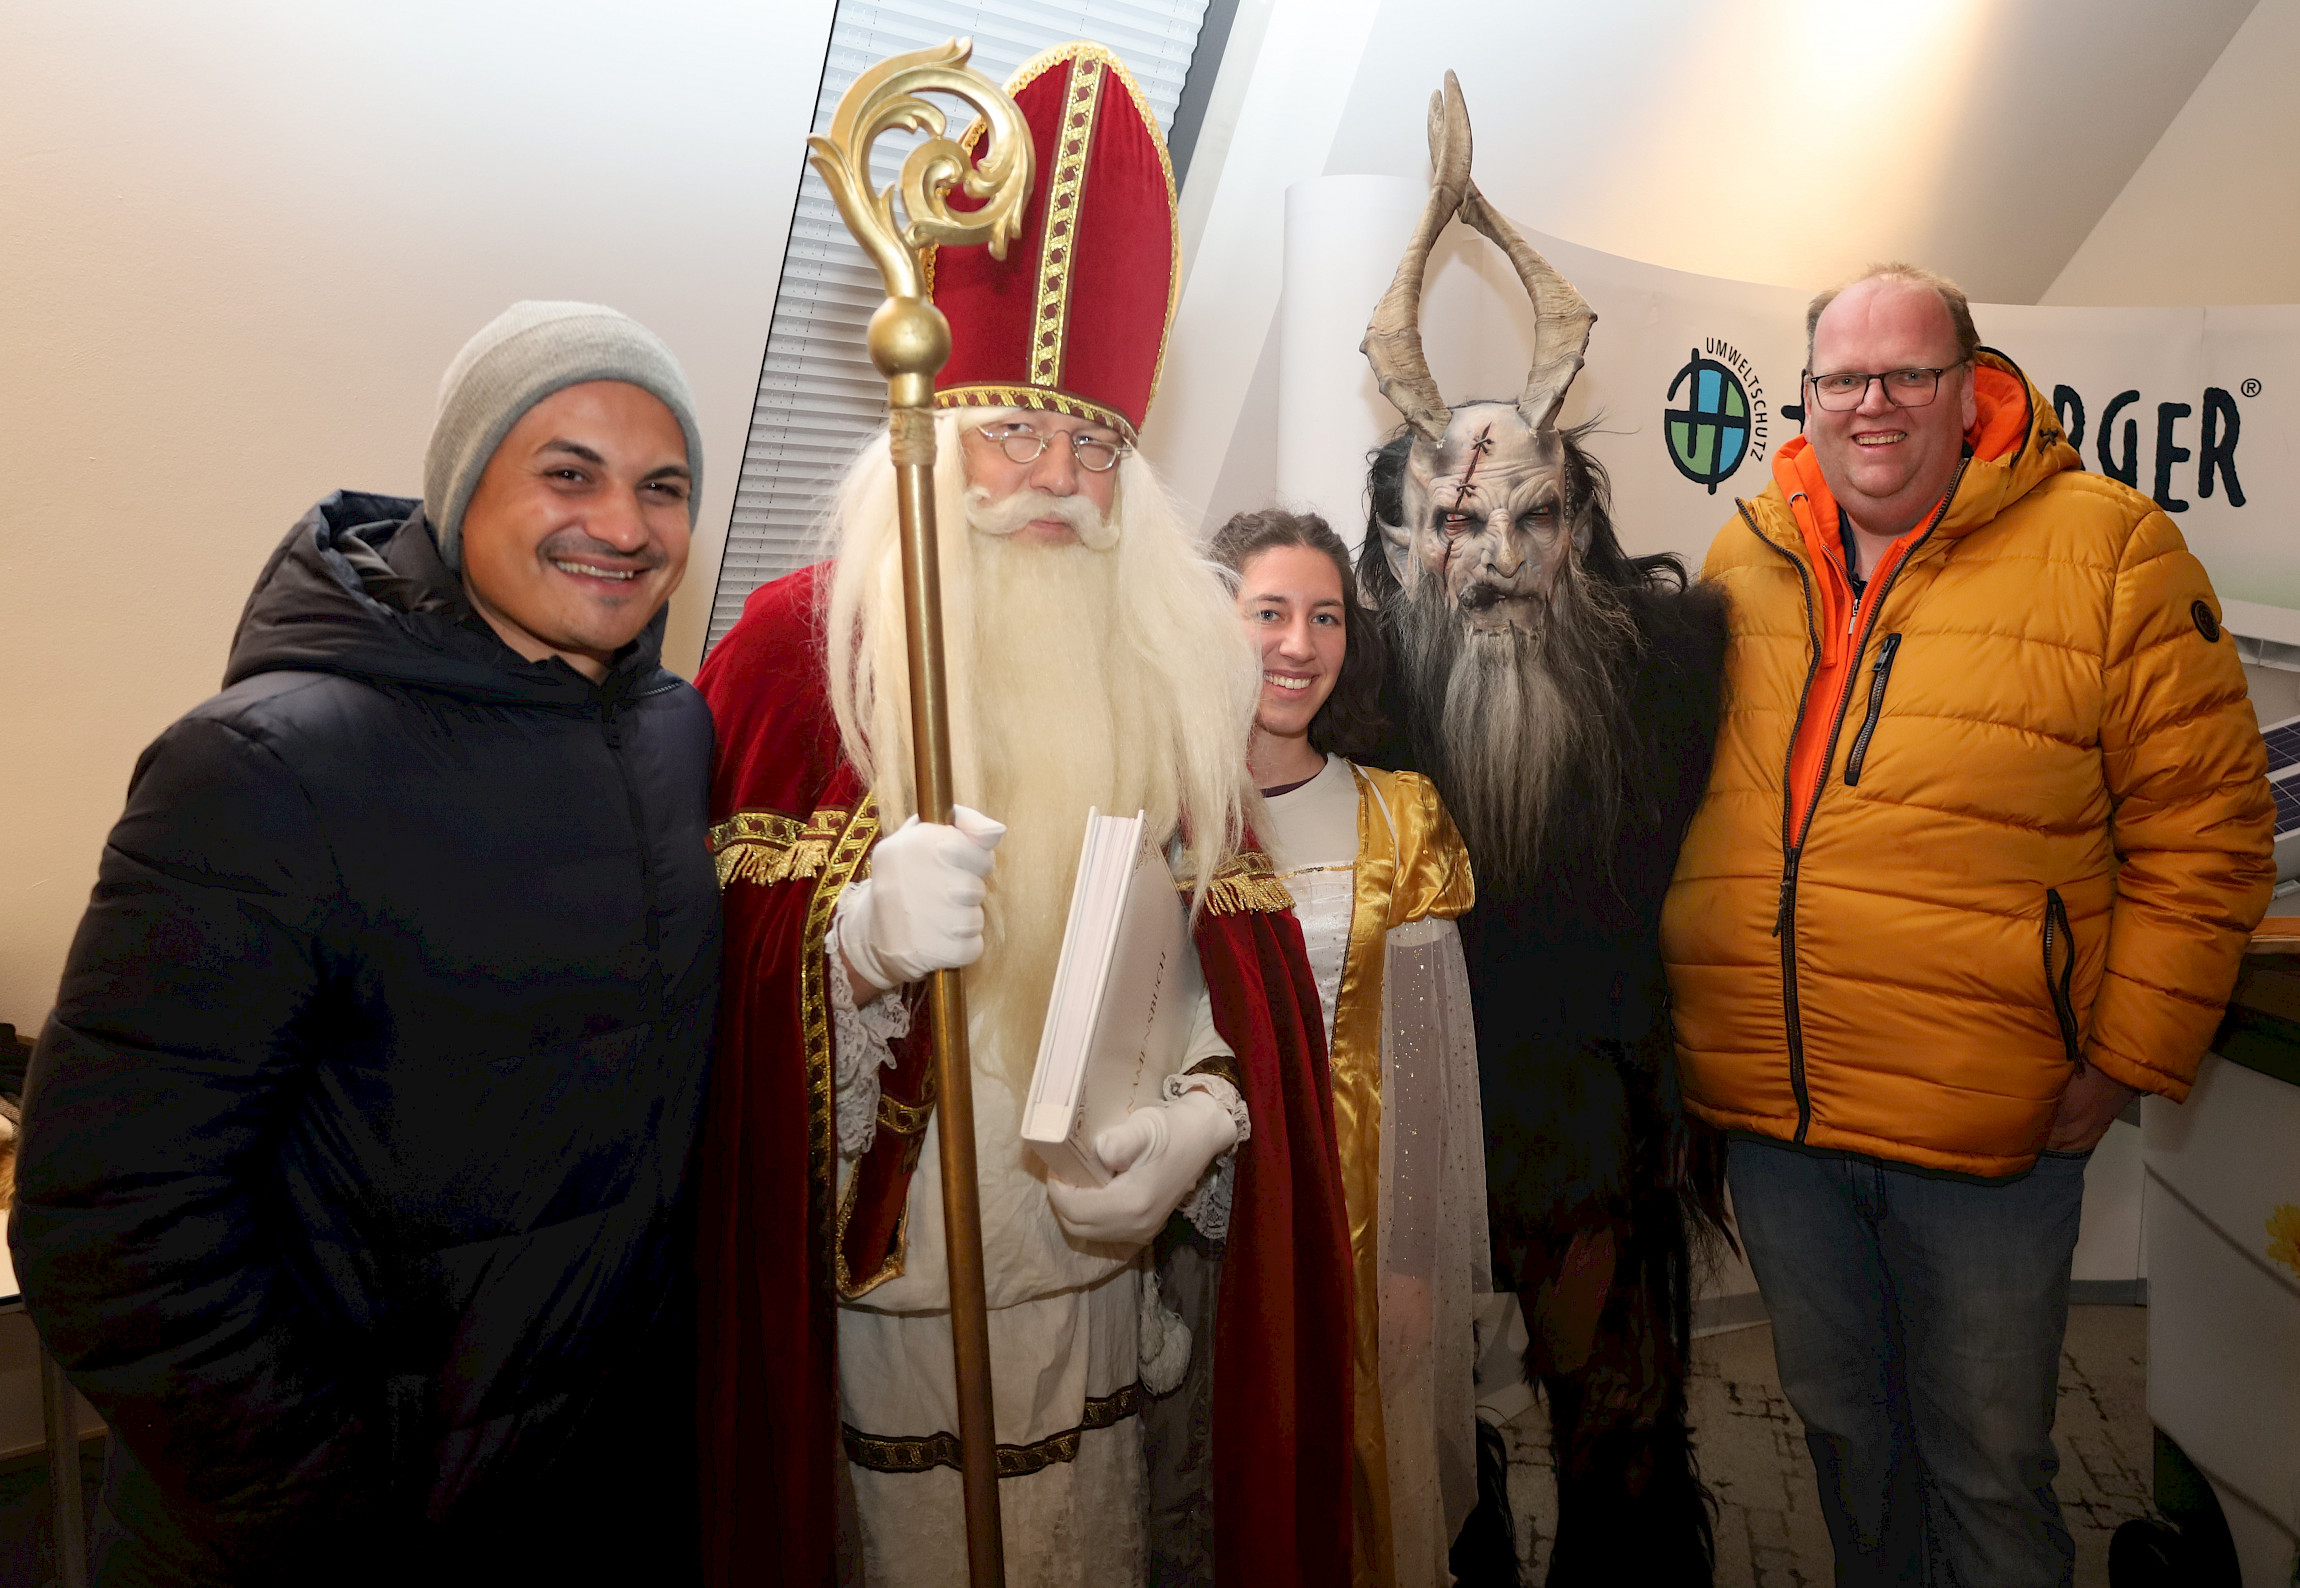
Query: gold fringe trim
[1014, 1461]
[1246, 881]
[767, 847]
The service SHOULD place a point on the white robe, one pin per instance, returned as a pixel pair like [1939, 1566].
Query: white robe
[1065, 1358]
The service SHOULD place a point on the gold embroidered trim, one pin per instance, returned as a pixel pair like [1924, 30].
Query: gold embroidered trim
[1028, 72]
[1246, 881]
[767, 847]
[1065, 194]
[907, 1119]
[847, 858]
[814, 1000]
[1014, 1461]
[1042, 401]
[1221, 1065]
[970, 140]
[1037, 66]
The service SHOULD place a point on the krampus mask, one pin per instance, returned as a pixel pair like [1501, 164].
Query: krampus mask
[1487, 487]
[1500, 574]
[1564, 699]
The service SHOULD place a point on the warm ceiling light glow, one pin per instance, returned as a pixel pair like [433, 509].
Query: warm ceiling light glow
[1851, 47]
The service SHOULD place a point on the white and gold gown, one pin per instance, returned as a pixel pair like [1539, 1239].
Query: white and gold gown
[1378, 875]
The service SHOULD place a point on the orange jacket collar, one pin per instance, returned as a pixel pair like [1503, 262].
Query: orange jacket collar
[2011, 426]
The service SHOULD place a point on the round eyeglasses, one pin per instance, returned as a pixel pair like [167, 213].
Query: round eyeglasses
[1904, 388]
[1024, 445]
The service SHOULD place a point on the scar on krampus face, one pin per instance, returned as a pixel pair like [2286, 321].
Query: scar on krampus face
[1487, 524]
[1486, 509]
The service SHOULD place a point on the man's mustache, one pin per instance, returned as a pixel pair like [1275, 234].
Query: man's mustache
[1005, 515]
[573, 545]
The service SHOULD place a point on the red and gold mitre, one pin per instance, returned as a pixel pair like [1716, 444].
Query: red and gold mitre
[1074, 318]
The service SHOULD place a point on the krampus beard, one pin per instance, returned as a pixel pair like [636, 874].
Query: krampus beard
[1521, 727]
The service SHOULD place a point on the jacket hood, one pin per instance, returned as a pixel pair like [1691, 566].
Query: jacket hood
[358, 588]
[2015, 444]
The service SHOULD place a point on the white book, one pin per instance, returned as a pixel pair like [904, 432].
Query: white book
[1124, 991]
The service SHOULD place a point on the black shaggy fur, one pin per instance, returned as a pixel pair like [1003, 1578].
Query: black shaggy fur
[1584, 1126]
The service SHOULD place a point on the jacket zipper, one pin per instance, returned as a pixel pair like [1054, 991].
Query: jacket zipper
[1886, 649]
[1784, 924]
[2063, 1005]
[1793, 844]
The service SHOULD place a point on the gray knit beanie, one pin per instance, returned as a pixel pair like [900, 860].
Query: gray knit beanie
[522, 356]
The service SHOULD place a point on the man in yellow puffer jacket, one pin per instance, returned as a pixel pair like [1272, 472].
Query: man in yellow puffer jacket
[1986, 832]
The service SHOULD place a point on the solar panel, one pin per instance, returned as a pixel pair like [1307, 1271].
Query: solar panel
[2287, 807]
[2283, 744]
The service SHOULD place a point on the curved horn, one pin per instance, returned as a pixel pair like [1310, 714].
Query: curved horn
[1561, 316]
[1393, 344]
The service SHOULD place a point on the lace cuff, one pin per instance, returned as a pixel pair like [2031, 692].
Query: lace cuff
[862, 1043]
[1220, 1087]
[1208, 1204]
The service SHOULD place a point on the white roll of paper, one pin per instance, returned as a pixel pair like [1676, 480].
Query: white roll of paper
[1344, 235]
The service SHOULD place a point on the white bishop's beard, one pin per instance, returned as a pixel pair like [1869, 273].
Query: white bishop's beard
[1059, 725]
[1116, 679]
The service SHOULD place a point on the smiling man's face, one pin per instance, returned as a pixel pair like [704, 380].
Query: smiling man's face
[1889, 466]
[577, 533]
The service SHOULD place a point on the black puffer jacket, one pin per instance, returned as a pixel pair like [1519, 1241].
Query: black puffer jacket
[356, 1148]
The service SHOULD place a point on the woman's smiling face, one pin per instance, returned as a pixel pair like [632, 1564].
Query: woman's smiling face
[1291, 599]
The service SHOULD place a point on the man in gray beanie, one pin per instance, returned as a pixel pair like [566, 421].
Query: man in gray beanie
[355, 1162]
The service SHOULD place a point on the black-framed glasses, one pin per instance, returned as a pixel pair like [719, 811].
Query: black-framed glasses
[1904, 388]
[1024, 445]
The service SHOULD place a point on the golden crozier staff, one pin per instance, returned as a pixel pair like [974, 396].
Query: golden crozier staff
[909, 344]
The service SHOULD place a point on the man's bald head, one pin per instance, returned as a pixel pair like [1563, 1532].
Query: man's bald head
[1953, 303]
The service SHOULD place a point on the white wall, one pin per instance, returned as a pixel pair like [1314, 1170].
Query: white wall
[1776, 141]
[240, 240]
[2213, 214]
[1792, 141]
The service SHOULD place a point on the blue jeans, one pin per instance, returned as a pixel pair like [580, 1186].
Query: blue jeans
[1917, 1321]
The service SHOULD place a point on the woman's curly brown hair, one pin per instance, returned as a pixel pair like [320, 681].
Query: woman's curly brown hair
[1350, 722]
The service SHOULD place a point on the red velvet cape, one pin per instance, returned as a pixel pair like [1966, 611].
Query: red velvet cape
[769, 1248]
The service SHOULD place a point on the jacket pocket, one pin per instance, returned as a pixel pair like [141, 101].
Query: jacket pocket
[2060, 971]
[1880, 671]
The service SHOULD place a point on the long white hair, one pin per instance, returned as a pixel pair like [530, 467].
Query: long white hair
[1117, 677]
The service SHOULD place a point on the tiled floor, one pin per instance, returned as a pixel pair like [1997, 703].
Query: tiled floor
[1769, 1530]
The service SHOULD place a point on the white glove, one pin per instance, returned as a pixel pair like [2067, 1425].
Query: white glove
[920, 909]
[1157, 1156]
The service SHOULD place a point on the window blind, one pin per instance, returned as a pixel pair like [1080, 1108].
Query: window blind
[819, 398]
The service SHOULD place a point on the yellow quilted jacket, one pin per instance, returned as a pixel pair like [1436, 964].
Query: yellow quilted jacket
[2041, 838]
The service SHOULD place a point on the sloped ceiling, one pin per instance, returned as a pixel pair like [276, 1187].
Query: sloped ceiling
[1792, 141]
[2213, 214]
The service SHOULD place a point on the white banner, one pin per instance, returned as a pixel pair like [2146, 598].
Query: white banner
[1693, 384]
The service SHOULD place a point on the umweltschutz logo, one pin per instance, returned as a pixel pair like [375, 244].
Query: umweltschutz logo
[1716, 415]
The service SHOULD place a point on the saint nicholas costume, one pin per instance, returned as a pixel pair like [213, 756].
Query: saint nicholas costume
[827, 1398]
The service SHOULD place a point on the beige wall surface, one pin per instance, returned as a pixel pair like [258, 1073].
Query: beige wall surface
[1777, 141]
[2213, 214]
[239, 242]
[1793, 141]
